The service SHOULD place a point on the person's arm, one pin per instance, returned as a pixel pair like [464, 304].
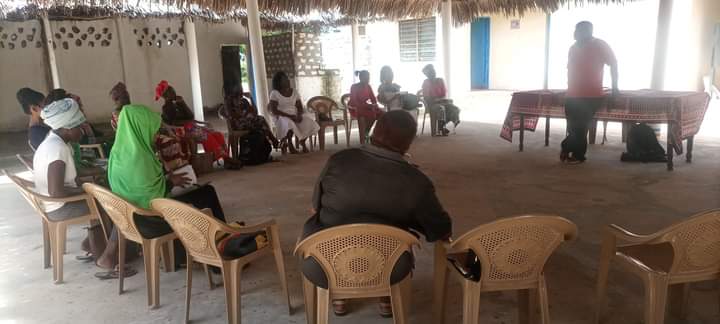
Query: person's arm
[373, 99]
[430, 218]
[612, 62]
[298, 105]
[273, 107]
[56, 181]
[318, 191]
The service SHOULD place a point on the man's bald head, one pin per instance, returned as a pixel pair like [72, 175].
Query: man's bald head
[583, 31]
[395, 131]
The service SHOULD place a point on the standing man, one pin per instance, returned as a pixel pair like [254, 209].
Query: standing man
[586, 63]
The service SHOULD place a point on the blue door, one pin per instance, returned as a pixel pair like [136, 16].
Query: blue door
[480, 53]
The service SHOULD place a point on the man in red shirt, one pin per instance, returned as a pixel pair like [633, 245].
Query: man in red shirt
[585, 94]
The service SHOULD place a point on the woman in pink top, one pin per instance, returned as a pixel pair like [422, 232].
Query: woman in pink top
[364, 105]
[435, 97]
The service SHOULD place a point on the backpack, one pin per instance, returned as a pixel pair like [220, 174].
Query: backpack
[643, 146]
[254, 149]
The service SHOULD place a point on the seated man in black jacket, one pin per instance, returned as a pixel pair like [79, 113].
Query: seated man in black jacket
[375, 184]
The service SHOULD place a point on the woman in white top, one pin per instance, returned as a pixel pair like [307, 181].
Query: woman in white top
[289, 115]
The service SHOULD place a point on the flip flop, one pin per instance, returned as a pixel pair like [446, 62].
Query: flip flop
[85, 258]
[115, 274]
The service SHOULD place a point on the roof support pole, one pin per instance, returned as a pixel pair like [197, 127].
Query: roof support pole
[355, 48]
[52, 61]
[546, 71]
[662, 37]
[446, 11]
[258, 56]
[194, 63]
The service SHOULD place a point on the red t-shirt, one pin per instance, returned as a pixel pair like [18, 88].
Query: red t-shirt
[586, 65]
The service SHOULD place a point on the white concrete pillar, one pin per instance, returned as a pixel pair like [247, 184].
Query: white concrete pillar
[194, 64]
[446, 11]
[546, 71]
[662, 37]
[258, 57]
[121, 47]
[355, 49]
[52, 61]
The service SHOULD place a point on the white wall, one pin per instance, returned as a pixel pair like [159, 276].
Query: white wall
[210, 38]
[20, 67]
[517, 56]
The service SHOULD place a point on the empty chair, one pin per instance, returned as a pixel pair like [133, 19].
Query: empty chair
[54, 232]
[345, 105]
[358, 260]
[121, 213]
[198, 233]
[686, 252]
[323, 107]
[425, 109]
[512, 253]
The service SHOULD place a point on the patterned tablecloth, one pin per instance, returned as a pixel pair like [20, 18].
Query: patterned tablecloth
[682, 111]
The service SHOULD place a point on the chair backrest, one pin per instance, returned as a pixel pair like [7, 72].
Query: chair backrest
[345, 101]
[695, 243]
[514, 250]
[322, 106]
[357, 258]
[196, 230]
[28, 163]
[33, 198]
[120, 210]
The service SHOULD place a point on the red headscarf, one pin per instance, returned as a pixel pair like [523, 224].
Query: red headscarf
[160, 89]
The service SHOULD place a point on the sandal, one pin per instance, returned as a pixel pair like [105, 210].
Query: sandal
[88, 257]
[115, 274]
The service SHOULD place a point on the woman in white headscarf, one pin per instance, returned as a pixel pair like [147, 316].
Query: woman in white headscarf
[54, 168]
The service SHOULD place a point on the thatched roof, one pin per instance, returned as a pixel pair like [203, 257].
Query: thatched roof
[278, 12]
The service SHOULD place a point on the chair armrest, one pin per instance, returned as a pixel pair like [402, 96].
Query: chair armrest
[627, 236]
[146, 212]
[80, 197]
[264, 226]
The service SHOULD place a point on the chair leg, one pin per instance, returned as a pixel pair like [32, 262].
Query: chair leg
[58, 232]
[347, 136]
[606, 254]
[167, 257]
[526, 306]
[335, 134]
[655, 299]
[679, 294]
[188, 288]
[400, 295]
[310, 295]
[231, 277]
[471, 302]
[544, 303]
[211, 284]
[321, 139]
[121, 262]
[422, 129]
[280, 263]
[151, 255]
[47, 250]
[323, 304]
[439, 283]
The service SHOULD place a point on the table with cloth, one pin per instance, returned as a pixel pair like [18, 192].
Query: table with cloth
[683, 112]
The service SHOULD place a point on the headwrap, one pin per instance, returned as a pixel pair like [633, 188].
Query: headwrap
[134, 171]
[119, 91]
[160, 89]
[64, 113]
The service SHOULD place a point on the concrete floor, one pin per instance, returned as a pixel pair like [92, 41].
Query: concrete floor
[479, 178]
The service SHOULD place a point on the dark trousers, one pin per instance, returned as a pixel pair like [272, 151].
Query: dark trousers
[202, 197]
[579, 113]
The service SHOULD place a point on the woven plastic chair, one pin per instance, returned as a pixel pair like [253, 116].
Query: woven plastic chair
[345, 105]
[198, 232]
[121, 213]
[358, 260]
[512, 254]
[686, 252]
[95, 147]
[324, 106]
[27, 162]
[54, 232]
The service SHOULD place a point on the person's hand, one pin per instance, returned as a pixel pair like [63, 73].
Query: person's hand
[179, 179]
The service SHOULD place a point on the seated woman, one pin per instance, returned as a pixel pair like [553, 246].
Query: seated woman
[364, 104]
[244, 116]
[441, 108]
[391, 97]
[136, 174]
[290, 117]
[55, 173]
[375, 184]
[90, 134]
[175, 112]
[32, 105]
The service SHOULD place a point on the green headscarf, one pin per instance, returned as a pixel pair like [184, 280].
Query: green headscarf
[134, 171]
